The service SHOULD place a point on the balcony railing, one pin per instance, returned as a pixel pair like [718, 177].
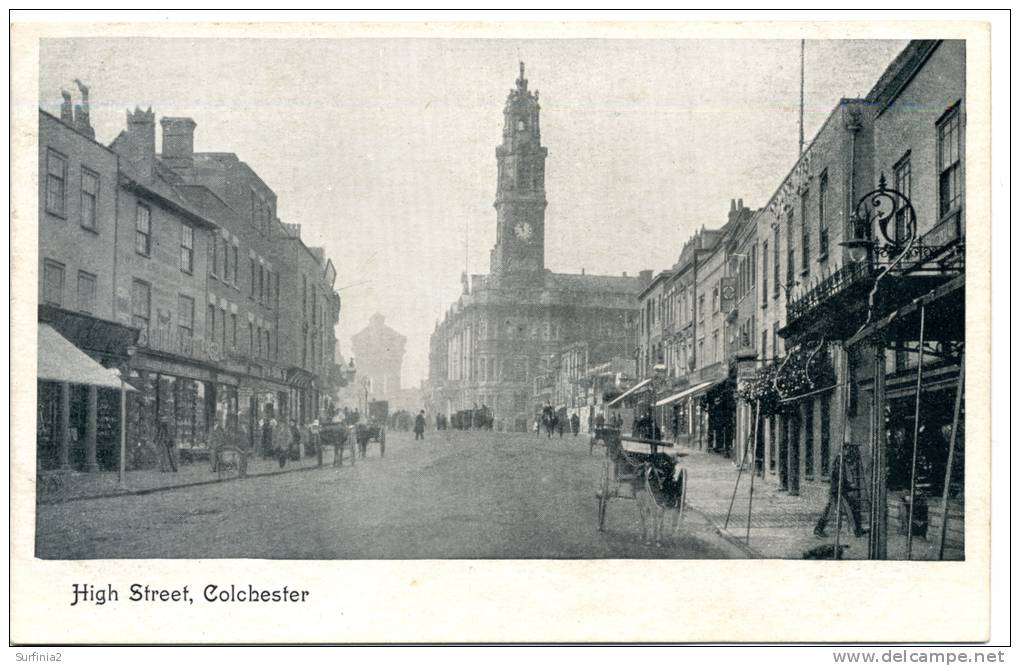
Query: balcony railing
[831, 287]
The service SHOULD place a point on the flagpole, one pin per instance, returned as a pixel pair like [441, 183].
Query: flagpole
[800, 150]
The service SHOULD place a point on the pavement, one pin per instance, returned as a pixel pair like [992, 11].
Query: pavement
[453, 495]
[74, 485]
[781, 525]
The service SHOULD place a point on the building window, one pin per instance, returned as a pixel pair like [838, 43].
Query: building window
[56, 178]
[53, 282]
[186, 317]
[187, 248]
[143, 230]
[764, 272]
[223, 329]
[950, 167]
[823, 452]
[141, 299]
[790, 253]
[754, 266]
[226, 260]
[86, 292]
[304, 297]
[89, 197]
[233, 331]
[251, 338]
[234, 272]
[775, 264]
[262, 285]
[823, 223]
[902, 173]
[805, 237]
[210, 323]
[267, 343]
[252, 264]
[764, 344]
[258, 335]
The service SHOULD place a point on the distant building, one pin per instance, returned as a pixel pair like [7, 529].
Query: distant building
[509, 327]
[379, 354]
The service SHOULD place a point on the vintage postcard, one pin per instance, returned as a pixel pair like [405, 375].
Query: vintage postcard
[336, 333]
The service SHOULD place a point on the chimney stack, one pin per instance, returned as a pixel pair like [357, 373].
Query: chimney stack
[141, 135]
[66, 116]
[82, 121]
[178, 142]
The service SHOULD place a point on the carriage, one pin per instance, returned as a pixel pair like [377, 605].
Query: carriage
[374, 430]
[341, 438]
[643, 469]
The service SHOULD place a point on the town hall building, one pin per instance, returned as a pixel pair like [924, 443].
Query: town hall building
[508, 326]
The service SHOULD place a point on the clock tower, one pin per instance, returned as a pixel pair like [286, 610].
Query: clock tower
[520, 189]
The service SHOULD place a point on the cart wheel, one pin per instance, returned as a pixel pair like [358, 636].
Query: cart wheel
[603, 496]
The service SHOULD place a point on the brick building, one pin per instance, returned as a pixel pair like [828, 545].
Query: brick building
[176, 260]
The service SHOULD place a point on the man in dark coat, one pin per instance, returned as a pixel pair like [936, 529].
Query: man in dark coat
[842, 496]
[419, 425]
[575, 424]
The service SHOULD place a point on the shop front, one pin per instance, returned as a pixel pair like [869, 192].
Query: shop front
[78, 422]
[190, 400]
[896, 313]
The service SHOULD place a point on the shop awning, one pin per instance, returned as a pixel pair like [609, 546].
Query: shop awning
[686, 393]
[629, 391]
[61, 361]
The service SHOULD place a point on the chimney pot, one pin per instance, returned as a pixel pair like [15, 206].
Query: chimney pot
[66, 116]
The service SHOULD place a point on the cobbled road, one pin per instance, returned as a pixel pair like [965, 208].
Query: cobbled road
[453, 495]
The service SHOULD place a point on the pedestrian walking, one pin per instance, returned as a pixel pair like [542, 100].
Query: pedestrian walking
[845, 496]
[575, 424]
[419, 425]
[281, 441]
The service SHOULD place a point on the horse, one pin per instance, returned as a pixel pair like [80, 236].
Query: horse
[663, 488]
[366, 432]
[339, 437]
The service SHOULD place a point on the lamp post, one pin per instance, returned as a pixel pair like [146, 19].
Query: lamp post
[658, 380]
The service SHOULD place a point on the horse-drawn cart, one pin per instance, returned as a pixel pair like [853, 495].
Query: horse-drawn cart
[375, 429]
[645, 470]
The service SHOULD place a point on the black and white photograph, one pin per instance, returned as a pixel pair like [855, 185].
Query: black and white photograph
[396, 298]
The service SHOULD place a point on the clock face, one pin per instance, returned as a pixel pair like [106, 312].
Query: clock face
[522, 230]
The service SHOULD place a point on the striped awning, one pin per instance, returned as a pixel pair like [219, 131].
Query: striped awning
[61, 361]
[632, 389]
[686, 393]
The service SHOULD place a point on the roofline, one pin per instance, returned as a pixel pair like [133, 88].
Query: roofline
[136, 186]
[911, 63]
[77, 133]
[662, 276]
[843, 101]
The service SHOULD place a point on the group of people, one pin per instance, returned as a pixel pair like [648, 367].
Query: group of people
[558, 422]
[285, 441]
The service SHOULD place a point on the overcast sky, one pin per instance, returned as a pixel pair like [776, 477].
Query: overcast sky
[383, 150]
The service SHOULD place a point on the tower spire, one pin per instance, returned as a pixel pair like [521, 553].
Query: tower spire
[522, 83]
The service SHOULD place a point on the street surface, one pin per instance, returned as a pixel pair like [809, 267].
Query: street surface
[453, 495]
